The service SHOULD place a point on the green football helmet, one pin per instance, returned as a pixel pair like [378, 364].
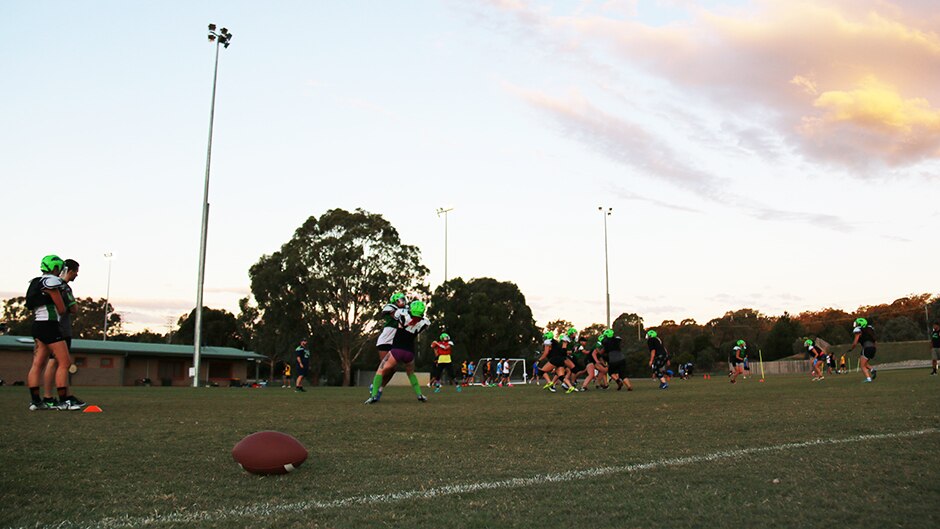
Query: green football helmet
[609, 333]
[740, 343]
[445, 336]
[548, 335]
[572, 331]
[808, 342]
[395, 297]
[861, 322]
[417, 308]
[51, 263]
[651, 334]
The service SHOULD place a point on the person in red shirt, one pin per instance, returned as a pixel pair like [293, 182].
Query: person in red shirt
[443, 352]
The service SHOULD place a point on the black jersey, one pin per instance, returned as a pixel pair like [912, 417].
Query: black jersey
[611, 344]
[556, 350]
[655, 344]
[935, 339]
[38, 299]
[867, 338]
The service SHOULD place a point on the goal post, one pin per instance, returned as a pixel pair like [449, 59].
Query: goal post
[517, 371]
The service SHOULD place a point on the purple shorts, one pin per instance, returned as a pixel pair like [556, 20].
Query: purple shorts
[402, 356]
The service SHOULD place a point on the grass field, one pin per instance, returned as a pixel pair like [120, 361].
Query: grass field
[701, 454]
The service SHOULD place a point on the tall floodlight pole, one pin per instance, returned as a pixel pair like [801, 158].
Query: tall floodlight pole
[444, 211]
[107, 298]
[606, 213]
[222, 38]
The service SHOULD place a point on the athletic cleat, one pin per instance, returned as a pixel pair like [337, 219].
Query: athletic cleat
[38, 406]
[571, 389]
[583, 389]
[663, 386]
[422, 398]
[50, 403]
[732, 381]
[371, 400]
[564, 385]
[67, 405]
[619, 384]
[76, 401]
[821, 378]
[300, 389]
[866, 380]
[437, 390]
[874, 374]
[458, 389]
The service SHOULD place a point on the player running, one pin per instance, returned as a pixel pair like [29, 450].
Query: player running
[737, 359]
[659, 357]
[44, 299]
[617, 365]
[411, 322]
[397, 302]
[568, 343]
[819, 358]
[555, 353]
[865, 335]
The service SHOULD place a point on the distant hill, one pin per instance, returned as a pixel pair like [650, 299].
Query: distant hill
[887, 351]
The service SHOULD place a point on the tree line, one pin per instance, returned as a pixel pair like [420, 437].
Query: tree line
[328, 282]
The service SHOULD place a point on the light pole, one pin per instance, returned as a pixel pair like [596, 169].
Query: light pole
[444, 211]
[224, 38]
[606, 213]
[107, 298]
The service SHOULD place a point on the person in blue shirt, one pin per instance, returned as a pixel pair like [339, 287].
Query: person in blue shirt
[302, 360]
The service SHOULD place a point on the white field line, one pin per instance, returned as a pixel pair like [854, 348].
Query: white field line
[270, 509]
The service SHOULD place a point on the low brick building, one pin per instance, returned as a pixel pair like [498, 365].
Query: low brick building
[115, 363]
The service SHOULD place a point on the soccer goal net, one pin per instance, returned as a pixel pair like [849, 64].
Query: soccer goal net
[517, 371]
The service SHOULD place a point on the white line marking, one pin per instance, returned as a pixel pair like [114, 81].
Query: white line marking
[269, 509]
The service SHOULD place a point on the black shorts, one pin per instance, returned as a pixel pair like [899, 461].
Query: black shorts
[868, 352]
[735, 362]
[617, 368]
[557, 361]
[445, 368]
[301, 370]
[659, 364]
[47, 332]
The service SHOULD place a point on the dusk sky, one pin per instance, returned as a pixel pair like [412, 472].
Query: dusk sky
[782, 155]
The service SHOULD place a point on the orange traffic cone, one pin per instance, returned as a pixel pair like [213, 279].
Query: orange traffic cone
[92, 409]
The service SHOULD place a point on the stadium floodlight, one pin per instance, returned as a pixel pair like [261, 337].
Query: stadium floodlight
[107, 297]
[606, 268]
[445, 211]
[223, 38]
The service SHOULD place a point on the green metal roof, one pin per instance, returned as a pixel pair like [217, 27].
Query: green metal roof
[135, 348]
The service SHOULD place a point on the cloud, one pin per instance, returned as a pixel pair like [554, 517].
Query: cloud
[621, 141]
[851, 82]
[631, 145]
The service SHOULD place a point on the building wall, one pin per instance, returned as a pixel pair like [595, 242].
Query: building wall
[97, 369]
[114, 370]
[14, 365]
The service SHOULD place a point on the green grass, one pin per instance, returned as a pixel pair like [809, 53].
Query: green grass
[164, 451]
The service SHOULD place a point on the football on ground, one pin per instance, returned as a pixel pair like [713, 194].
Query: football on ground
[269, 452]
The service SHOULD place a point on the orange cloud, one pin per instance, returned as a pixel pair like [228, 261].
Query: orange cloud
[843, 80]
